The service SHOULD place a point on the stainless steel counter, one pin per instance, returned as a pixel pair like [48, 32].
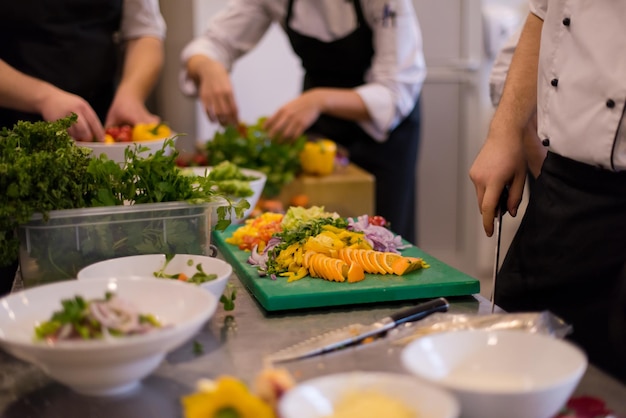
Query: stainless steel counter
[235, 343]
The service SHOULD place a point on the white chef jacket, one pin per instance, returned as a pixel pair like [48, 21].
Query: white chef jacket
[500, 68]
[392, 84]
[582, 80]
[141, 18]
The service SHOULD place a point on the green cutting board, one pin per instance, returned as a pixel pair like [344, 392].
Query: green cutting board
[276, 295]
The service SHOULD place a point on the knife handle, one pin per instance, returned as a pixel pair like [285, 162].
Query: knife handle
[502, 202]
[420, 311]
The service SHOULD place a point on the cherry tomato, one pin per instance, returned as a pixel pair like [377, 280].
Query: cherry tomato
[200, 160]
[126, 134]
[114, 131]
[377, 220]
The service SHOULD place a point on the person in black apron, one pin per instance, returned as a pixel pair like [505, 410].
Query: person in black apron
[581, 291]
[79, 56]
[340, 64]
[343, 64]
[67, 43]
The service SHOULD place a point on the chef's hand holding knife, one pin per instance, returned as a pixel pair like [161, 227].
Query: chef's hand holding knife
[500, 164]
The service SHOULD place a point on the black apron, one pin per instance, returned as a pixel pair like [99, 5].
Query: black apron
[342, 64]
[68, 43]
[569, 256]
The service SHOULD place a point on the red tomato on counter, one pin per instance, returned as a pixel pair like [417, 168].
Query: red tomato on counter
[377, 220]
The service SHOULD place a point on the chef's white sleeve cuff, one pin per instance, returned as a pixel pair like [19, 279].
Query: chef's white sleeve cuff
[381, 109]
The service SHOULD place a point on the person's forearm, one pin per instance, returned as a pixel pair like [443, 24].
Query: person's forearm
[21, 92]
[142, 66]
[200, 66]
[519, 98]
[343, 104]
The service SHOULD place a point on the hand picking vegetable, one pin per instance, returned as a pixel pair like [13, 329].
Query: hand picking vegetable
[251, 147]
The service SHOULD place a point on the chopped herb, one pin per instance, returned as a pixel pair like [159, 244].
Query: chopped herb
[198, 348]
[228, 297]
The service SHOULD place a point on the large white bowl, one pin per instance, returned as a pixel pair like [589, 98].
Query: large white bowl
[104, 367]
[115, 151]
[316, 398]
[146, 265]
[495, 374]
[256, 186]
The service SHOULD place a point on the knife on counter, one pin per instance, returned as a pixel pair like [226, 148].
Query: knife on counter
[357, 332]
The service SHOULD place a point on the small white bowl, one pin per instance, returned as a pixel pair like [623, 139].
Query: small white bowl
[495, 374]
[115, 151]
[256, 186]
[147, 265]
[316, 398]
[112, 366]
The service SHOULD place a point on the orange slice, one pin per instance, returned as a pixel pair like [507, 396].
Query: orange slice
[389, 258]
[355, 273]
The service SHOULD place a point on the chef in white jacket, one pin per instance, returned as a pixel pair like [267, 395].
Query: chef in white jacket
[569, 254]
[364, 69]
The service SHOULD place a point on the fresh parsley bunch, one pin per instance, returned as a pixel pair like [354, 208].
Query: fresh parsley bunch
[42, 169]
[251, 147]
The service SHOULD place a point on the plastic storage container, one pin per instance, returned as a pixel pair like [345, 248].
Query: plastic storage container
[57, 248]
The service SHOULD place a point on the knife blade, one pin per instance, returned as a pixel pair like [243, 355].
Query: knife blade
[500, 211]
[357, 332]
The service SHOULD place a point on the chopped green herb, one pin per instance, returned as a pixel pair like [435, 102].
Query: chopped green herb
[228, 297]
[198, 348]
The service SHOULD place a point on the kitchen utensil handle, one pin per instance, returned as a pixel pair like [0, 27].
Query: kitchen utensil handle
[420, 311]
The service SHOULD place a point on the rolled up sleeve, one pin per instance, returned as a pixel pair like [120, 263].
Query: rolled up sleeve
[142, 18]
[394, 82]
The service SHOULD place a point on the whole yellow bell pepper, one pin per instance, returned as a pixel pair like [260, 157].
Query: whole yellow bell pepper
[150, 131]
[318, 157]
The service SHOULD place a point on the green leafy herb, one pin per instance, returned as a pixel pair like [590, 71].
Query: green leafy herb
[228, 297]
[42, 169]
[200, 276]
[251, 147]
[198, 348]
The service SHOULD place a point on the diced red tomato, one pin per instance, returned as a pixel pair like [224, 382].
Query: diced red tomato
[377, 220]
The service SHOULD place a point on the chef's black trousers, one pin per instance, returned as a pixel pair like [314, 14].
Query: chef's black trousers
[569, 257]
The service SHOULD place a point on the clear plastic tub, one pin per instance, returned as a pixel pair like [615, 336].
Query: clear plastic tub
[57, 248]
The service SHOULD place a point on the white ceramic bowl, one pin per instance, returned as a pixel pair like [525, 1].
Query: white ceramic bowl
[104, 367]
[115, 151]
[147, 265]
[495, 374]
[256, 186]
[316, 398]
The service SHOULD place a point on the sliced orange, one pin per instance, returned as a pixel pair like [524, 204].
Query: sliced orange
[355, 273]
[389, 258]
[378, 261]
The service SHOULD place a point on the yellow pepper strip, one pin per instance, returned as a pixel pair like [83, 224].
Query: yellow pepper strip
[292, 277]
[150, 131]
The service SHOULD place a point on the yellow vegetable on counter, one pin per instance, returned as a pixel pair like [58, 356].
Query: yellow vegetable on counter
[150, 131]
[318, 157]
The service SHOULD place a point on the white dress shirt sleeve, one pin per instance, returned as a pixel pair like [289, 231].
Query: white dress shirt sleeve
[229, 34]
[539, 8]
[395, 80]
[142, 18]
